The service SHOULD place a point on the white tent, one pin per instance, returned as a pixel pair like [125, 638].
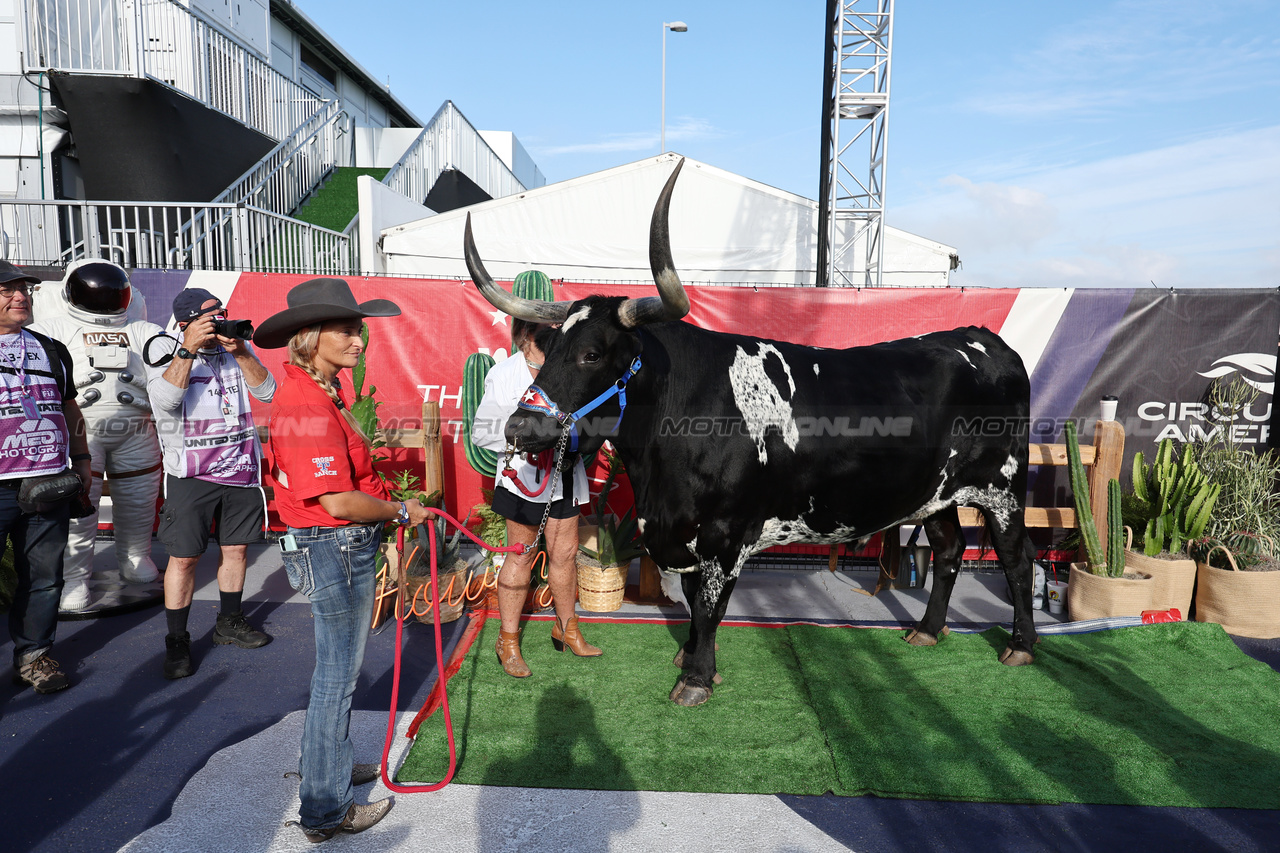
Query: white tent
[725, 229]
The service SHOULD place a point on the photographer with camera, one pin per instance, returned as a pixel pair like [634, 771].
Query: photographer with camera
[212, 467]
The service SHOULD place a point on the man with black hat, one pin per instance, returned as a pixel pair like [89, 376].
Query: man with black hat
[40, 424]
[200, 399]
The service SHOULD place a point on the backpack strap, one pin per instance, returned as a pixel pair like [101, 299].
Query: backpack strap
[55, 363]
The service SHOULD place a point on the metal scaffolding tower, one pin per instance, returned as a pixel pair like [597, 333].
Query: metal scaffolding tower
[855, 134]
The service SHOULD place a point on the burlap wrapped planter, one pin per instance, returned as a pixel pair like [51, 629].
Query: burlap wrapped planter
[600, 588]
[1091, 596]
[453, 587]
[1175, 580]
[1246, 604]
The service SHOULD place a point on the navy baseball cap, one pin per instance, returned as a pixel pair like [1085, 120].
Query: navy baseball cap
[186, 305]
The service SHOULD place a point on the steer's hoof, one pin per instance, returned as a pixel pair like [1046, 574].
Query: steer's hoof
[920, 638]
[1016, 657]
[679, 658]
[679, 661]
[688, 694]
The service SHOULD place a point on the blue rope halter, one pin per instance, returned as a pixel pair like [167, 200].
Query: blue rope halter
[536, 400]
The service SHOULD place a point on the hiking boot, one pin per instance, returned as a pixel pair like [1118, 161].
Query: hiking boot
[42, 674]
[358, 819]
[234, 628]
[177, 655]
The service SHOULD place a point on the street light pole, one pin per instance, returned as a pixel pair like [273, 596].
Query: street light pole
[675, 27]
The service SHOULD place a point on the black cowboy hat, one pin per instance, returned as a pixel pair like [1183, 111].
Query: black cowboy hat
[316, 301]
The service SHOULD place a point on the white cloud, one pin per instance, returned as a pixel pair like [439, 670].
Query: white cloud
[1198, 214]
[1137, 52]
[682, 129]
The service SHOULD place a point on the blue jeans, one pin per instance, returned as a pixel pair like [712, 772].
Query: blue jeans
[38, 541]
[334, 567]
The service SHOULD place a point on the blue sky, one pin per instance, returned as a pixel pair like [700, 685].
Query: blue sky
[1109, 143]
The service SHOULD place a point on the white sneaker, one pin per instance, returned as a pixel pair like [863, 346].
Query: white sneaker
[75, 596]
[144, 572]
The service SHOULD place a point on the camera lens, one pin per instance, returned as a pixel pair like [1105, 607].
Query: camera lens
[242, 329]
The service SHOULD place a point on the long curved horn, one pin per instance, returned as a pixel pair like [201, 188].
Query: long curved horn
[673, 302]
[532, 310]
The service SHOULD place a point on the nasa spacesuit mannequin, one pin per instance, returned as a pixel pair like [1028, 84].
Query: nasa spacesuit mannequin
[99, 317]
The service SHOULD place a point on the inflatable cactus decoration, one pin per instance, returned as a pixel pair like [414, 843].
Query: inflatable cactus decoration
[532, 284]
[1084, 511]
[1115, 530]
[473, 372]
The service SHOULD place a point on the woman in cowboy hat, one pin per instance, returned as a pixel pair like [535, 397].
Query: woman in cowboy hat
[335, 506]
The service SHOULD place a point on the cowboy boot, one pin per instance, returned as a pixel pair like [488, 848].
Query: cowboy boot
[570, 636]
[508, 648]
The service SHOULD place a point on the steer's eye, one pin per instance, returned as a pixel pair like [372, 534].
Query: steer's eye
[590, 357]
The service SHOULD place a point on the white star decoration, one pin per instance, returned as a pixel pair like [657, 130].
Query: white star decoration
[530, 396]
[498, 318]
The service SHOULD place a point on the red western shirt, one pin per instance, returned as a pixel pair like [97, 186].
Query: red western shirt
[315, 452]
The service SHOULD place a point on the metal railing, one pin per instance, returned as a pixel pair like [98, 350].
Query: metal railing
[167, 42]
[449, 141]
[170, 236]
[282, 179]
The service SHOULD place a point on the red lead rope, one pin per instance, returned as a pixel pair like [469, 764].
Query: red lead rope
[541, 461]
[518, 548]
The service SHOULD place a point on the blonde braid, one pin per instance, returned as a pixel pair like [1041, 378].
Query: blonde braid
[302, 352]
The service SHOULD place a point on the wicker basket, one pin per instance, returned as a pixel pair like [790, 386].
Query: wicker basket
[452, 594]
[1246, 604]
[1175, 580]
[1091, 596]
[600, 588]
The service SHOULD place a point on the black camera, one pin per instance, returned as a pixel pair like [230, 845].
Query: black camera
[242, 329]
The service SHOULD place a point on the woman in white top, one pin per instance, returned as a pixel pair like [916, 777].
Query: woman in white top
[503, 387]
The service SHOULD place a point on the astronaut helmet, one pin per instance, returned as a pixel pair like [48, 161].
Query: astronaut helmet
[97, 291]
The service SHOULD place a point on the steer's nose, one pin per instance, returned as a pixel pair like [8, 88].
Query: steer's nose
[516, 430]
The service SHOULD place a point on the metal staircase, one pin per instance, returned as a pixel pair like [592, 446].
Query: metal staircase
[248, 226]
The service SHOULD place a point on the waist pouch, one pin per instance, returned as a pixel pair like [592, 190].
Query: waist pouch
[41, 494]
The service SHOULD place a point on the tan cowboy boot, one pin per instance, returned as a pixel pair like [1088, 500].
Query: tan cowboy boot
[508, 648]
[570, 636]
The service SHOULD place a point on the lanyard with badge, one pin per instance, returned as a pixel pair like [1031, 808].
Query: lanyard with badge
[30, 409]
[229, 416]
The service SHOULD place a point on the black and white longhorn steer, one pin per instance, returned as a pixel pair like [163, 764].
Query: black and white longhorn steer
[735, 444]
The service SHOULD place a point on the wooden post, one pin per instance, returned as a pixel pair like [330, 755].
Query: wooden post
[650, 579]
[649, 589]
[1108, 457]
[432, 451]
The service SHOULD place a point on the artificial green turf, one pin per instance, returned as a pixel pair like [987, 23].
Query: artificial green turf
[1161, 715]
[605, 723]
[336, 204]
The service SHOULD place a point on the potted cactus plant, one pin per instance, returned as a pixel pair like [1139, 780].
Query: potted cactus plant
[1238, 560]
[1171, 504]
[606, 548]
[1100, 586]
